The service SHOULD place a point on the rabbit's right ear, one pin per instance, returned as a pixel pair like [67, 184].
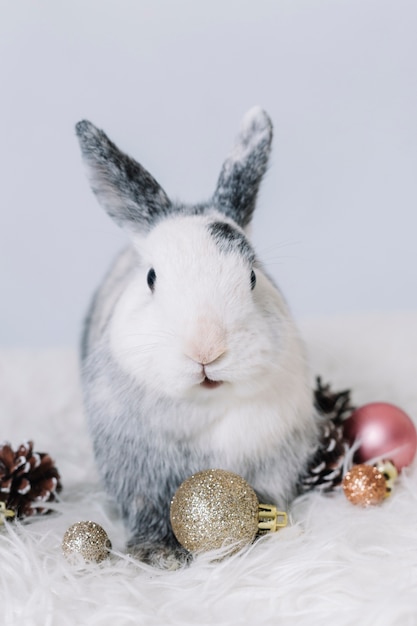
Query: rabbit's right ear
[241, 176]
[130, 195]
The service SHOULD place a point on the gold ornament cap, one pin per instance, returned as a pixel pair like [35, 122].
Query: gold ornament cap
[270, 519]
[389, 472]
[5, 513]
[87, 540]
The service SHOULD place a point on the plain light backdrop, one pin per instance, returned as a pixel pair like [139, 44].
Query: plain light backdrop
[169, 82]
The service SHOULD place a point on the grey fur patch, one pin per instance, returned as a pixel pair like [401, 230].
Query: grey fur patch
[126, 189]
[241, 175]
[140, 466]
[230, 240]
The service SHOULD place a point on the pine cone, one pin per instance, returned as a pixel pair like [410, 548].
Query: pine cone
[28, 480]
[334, 405]
[325, 471]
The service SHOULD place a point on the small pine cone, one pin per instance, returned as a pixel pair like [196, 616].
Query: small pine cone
[326, 468]
[28, 480]
[335, 405]
[325, 471]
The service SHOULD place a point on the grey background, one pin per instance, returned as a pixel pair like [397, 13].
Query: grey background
[169, 81]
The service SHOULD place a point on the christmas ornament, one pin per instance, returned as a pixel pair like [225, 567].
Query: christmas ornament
[215, 507]
[364, 485]
[28, 480]
[382, 430]
[88, 540]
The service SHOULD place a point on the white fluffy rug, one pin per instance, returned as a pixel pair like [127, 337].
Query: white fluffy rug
[336, 564]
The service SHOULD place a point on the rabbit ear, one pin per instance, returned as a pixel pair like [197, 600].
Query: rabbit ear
[242, 172]
[130, 195]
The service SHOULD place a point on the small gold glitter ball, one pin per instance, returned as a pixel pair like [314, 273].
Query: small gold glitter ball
[364, 485]
[88, 540]
[214, 508]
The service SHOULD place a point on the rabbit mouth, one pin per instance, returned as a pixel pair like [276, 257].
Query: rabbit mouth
[211, 384]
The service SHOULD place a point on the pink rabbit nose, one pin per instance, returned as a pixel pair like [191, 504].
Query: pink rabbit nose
[205, 355]
[205, 358]
[207, 343]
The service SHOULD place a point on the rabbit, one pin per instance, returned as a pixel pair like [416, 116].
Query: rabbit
[190, 357]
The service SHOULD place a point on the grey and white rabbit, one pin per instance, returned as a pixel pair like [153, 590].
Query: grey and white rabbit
[190, 357]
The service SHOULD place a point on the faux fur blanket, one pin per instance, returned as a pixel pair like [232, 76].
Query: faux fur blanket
[334, 564]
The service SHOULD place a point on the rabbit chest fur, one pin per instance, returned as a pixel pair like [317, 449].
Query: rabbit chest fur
[190, 357]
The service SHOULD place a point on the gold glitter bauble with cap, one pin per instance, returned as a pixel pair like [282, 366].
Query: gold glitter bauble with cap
[214, 508]
[364, 485]
[88, 540]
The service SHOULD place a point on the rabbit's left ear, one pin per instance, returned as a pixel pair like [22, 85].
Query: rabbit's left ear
[242, 172]
[130, 195]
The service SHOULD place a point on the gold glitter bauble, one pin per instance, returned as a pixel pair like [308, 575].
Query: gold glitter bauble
[364, 485]
[214, 508]
[87, 539]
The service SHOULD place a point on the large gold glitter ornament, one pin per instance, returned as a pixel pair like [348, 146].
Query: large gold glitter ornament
[364, 485]
[88, 540]
[216, 508]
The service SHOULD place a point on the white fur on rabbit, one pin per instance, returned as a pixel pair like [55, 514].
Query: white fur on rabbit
[191, 359]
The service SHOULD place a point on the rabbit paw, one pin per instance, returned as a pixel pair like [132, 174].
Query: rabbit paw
[160, 555]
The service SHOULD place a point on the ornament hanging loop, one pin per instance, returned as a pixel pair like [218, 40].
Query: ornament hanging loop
[270, 519]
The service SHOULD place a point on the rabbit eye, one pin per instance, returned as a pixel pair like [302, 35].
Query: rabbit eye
[252, 280]
[151, 278]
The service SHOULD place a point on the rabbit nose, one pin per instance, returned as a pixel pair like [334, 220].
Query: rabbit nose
[205, 358]
[207, 343]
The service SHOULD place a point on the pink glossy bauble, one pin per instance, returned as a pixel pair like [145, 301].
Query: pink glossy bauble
[383, 430]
